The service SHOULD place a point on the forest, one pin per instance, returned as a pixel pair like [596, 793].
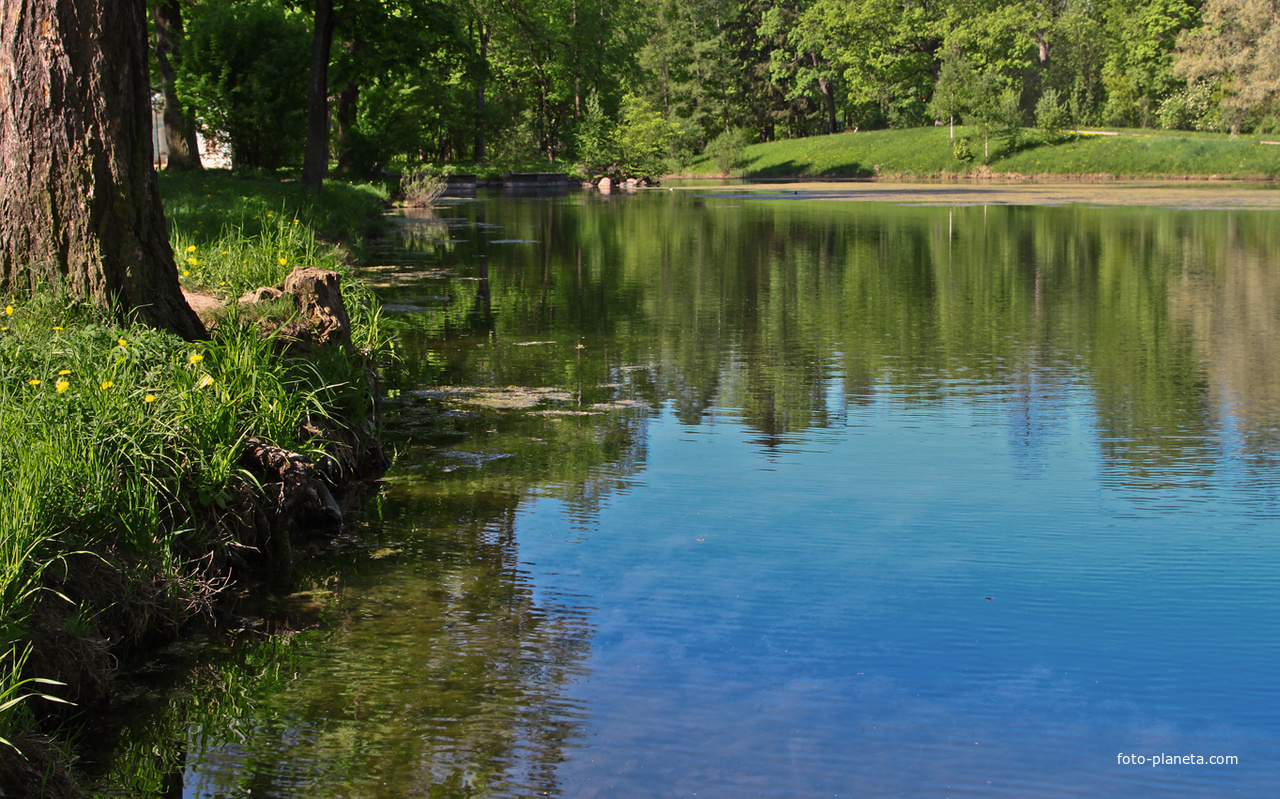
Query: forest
[644, 86]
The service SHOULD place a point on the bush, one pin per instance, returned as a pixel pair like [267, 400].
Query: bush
[963, 151]
[1051, 116]
[422, 189]
[727, 151]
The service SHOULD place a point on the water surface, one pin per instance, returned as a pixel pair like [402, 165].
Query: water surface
[811, 499]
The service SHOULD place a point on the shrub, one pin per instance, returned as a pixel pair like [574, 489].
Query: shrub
[727, 151]
[1051, 116]
[422, 189]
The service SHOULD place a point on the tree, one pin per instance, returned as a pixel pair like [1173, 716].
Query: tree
[315, 160]
[79, 191]
[179, 122]
[1238, 49]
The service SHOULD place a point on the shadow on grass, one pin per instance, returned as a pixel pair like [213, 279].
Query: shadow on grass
[793, 168]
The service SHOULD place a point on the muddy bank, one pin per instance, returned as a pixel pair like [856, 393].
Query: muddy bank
[1018, 190]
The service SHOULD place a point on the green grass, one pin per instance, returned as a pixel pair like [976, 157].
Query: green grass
[124, 439]
[927, 152]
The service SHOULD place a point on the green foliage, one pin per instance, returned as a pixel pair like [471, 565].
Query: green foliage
[645, 138]
[1051, 116]
[963, 150]
[597, 140]
[244, 71]
[727, 151]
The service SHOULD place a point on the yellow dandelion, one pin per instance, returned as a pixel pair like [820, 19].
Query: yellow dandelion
[62, 386]
[106, 384]
[193, 262]
[205, 381]
[33, 381]
[270, 214]
[284, 261]
[150, 398]
[195, 357]
[4, 329]
[57, 329]
[63, 372]
[122, 342]
[191, 248]
[8, 310]
[295, 221]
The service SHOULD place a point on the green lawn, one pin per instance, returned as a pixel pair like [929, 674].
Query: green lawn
[927, 152]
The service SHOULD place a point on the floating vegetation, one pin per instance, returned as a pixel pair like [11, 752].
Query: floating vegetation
[509, 398]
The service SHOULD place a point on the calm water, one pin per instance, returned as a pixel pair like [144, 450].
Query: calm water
[812, 499]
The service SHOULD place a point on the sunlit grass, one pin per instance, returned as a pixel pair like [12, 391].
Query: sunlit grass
[124, 438]
[928, 152]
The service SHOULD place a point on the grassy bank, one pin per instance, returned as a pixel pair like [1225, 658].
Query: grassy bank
[927, 152]
[120, 445]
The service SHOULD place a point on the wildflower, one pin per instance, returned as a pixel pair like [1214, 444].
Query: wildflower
[185, 273]
[63, 372]
[270, 214]
[62, 386]
[207, 380]
[284, 261]
[106, 384]
[8, 310]
[195, 357]
[3, 329]
[193, 262]
[57, 329]
[33, 381]
[122, 342]
[295, 221]
[150, 398]
[191, 248]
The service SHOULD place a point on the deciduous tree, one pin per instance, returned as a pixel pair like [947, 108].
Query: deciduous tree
[79, 200]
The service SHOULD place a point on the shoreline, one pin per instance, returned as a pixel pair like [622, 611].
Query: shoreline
[1190, 193]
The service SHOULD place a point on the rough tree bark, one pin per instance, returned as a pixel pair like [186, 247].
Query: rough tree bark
[79, 200]
[179, 123]
[315, 160]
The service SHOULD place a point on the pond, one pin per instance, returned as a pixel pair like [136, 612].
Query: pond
[701, 494]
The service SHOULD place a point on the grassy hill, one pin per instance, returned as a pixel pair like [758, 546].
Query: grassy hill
[927, 152]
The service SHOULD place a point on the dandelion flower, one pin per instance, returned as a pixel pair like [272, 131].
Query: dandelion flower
[57, 329]
[106, 384]
[195, 357]
[62, 386]
[193, 262]
[185, 273]
[3, 329]
[8, 310]
[205, 381]
[63, 372]
[122, 342]
[150, 398]
[191, 248]
[35, 381]
[284, 261]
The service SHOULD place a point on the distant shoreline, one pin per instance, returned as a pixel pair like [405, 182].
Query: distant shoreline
[1188, 193]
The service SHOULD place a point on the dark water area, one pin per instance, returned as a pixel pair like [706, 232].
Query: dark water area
[704, 495]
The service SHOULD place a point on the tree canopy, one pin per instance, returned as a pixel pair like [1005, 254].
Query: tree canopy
[512, 82]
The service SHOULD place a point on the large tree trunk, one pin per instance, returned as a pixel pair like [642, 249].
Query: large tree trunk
[179, 123]
[79, 200]
[315, 160]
